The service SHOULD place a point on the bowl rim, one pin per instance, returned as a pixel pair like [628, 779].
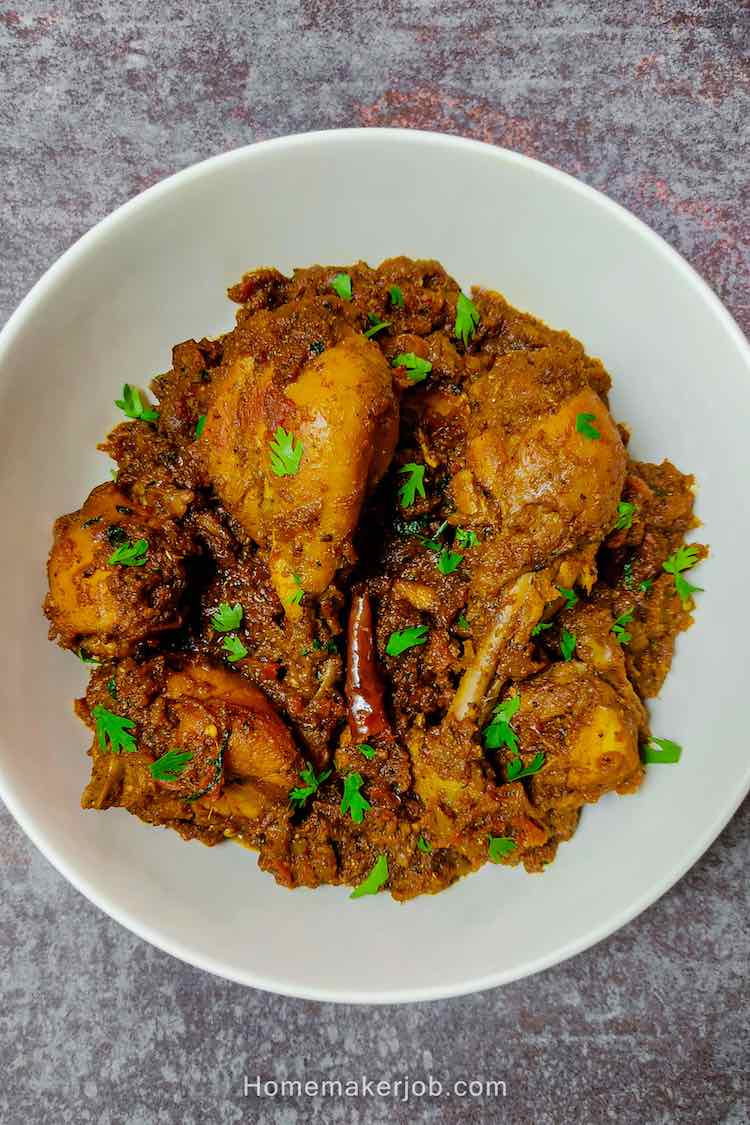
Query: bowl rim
[14, 327]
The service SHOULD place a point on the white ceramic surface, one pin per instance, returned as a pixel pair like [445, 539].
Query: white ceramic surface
[154, 273]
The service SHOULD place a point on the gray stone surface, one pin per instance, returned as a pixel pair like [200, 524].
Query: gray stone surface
[646, 100]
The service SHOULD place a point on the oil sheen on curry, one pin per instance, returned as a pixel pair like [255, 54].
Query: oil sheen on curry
[376, 589]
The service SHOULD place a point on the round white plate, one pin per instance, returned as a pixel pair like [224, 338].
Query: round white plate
[154, 273]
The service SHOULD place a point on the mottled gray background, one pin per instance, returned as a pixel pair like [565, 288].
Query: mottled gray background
[646, 100]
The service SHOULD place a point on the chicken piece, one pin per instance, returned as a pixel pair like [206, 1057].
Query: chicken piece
[342, 409]
[105, 607]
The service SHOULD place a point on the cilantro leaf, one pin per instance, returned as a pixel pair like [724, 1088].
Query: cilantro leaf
[499, 731]
[627, 575]
[112, 687]
[499, 847]
[424, 846]
[465, 538]
[404, 639]
[661, 750]
[115, 730]
[298, 594]
[397, 297]
[312, 784]
[685, 557]
[374, 881]
[170, 765]
[467, 319]
[342, 286]
[234, 649]
[132, 406]
[412, 486]
[352, 801]
[646, 585]
[366, 751]
[417, 368]
[84, 657]
[286, 453]
[227, 617]
[618, 628]
[540, 627]
[625, 513]
[462, 622]
[376, 325]
[448, 561]
[584, 426]
[200, 425]
[567, 644]
[516, 769]
[571, 597]
[129, 554]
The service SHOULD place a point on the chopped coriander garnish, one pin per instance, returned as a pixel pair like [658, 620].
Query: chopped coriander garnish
[286, 453]
[298, 594]
[376, 325]
[342, 286]
[374, 881]
[571, 597]
[113, 732]
[312, 784]
[234, 649]
[467, 319]
[84, 657]
[646, 585]
[499, 847]
[448, 561]
[397, 297]
[116, 535]
[200, 425]
[424, 846]
[499, 732]
[170, 765]
[516, 769]
[317, 347]
[584, 426]
[112, 687]
[417, 368]
[661, 750]
[625, 513]
[412, 486]
[567, 644]
[466, 539]
[618, 628]
[627, 575]
[463, 623]
[227, 617]
[685, 557]
[366, 750]
[129, 554]
[132, 406]
[404, 639]
[540, 627]
[352, 801]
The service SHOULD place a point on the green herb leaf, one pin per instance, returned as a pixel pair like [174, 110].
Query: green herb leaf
[584, 426]
[352, 801]
[417, 368]
[646, 585]
[466, 539]
[567, 644]
[424, 846]
[685, 557]
[625, 513]
[661, 750]
[342, 286]
[200, 425]
[404, 639]
[397, 297]
[499, 847]
[374, 881]
[618, 627]
[234, 649]
[571, 597]
[412, 486]
[366, 750]
[286, 453]
[498, 731]
[467, 319]
[312, 784]
[84, 657]
[227, 617]
[317, 347]
[129, 554]
[112, 731]
[170, 765]
[515, 768]
[112, 687]
[463, 623]
[296, 597]
[93, 520]
[132, 406]
[540, 627]
[627, 575]
[376, 325]
[448, 561]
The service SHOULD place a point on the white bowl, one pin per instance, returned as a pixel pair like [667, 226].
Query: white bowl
[154, 273]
